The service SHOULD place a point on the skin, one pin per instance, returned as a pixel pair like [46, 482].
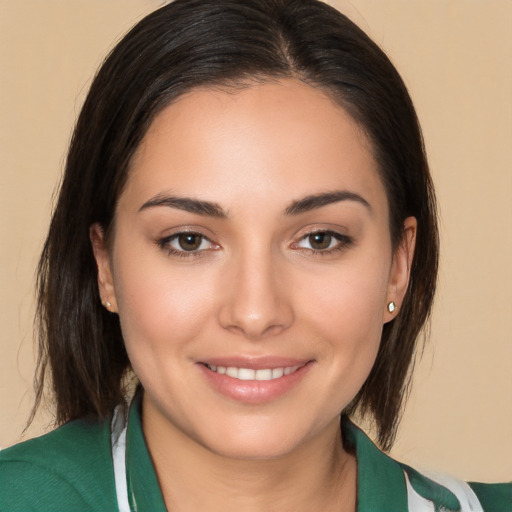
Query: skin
[257, 286]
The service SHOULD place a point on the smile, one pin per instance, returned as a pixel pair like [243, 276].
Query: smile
[262, 374]
[255, 381]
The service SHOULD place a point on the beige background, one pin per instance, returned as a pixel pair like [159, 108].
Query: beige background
[455, 56]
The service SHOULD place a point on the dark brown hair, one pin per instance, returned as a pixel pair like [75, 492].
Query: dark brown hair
[222, 43]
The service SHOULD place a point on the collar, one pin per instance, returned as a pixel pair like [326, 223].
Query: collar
[381, 482]
[143, 489]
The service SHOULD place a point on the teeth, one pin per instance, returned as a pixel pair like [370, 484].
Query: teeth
[263, 374]
[250, 374]
[246, 374]
[277, 372]
[231, 371]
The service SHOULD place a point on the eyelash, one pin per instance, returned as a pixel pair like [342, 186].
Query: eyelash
[165, 244]
[344, 241]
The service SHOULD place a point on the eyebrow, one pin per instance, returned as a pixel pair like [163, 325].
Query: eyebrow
[187, 204]
[211, 209]
[312, 202]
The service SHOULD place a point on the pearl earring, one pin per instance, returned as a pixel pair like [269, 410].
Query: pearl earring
[107, 304]
[391, 307]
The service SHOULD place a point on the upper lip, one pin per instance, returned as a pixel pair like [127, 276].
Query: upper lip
[255, 363]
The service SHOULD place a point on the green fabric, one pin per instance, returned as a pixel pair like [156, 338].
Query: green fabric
[70, 470]
[380, 480]
[443, 498]
[143, 487]
[494, 497]
[67, 470]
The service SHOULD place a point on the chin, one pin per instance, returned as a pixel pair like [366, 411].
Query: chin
[266, 439]
[253, 449]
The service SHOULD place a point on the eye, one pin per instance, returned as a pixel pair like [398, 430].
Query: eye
[319, 241]
[323, 241]
[186, 244]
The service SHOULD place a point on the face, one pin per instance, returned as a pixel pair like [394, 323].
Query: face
[251, 266]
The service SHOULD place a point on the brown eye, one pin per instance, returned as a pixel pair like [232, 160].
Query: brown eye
[320, 241]
[187, 244]
[323, 242]
[189, 241]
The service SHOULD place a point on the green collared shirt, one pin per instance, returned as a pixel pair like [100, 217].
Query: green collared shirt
[71, 470]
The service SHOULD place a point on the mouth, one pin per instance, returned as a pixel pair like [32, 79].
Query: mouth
[261, 374]
[255, 381]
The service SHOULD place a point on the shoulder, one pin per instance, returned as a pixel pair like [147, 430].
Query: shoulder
[493, 496]
[387, 485]
[453, 494]
[69, 469]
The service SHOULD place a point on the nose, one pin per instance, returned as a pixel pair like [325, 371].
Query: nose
[255, 302]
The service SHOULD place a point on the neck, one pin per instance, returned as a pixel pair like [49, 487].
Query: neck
[318, 475]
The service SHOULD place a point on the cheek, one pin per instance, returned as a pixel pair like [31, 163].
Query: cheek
[346, 310]
[160, 306]
[351, 300]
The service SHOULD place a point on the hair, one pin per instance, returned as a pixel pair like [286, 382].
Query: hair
[189, 44]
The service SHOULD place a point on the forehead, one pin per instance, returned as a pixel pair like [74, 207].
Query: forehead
[237, 144]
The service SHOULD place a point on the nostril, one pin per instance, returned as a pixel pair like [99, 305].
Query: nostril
[255, 303]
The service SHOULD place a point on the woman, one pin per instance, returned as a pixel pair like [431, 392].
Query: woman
[247, 225]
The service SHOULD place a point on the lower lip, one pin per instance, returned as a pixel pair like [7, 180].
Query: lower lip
[254, 391]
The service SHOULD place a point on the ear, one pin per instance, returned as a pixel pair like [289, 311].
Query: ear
[102, 257]
[401, 268]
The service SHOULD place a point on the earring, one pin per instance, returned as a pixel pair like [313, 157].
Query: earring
[107, 304]
[391, 307]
